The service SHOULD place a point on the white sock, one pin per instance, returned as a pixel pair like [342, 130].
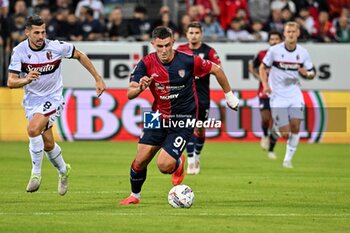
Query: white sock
[191, 159]
[136, 195]
[55, 157]
[36, 148]
[292, 144]
[197, 157]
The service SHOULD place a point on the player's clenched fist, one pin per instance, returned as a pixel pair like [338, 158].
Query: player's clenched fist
[33, 75]
[145, 82]
[231, 100]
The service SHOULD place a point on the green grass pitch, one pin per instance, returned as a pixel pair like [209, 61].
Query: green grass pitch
[238, 190]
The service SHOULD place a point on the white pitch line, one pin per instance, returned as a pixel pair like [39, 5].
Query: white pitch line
[74, 192]
[77, 192]
[175, 214]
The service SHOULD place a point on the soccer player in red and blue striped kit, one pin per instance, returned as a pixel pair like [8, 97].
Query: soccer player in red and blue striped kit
[170, 75]
[268, 141]
[195, 46]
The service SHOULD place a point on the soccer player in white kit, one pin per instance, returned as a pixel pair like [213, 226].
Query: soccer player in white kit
[287, 62]
[36, 66]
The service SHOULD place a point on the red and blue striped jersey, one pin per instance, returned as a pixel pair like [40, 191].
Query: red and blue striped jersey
[173, 85]
[202, 84]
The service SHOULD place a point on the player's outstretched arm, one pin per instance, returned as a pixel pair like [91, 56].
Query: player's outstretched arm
[232, 100]
[263, 78]
[13, 80]
[86, 62]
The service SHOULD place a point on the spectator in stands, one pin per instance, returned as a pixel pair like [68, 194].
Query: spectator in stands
[139, 25]
[335, 7]
[241, 14]
[276, 22]
[305, 26]
[258, 34]
[96, 6]
[287, 14]
[281, 4]
[196, 12]
[4, 8]
[305, 20]
[20, 8]
[117, 28]
[74, 28]
[165, 20]
[92, 29]
[314, 6]
[184, 22]
[38, 5]
[17, 30]
[259, 10]
[59, 25]
[210, 6]
[323, 30]
[212, 30]
[304, 34]
[344, 12]
[343, 30]
[46, 16]
[229, 9]
[5, 41]
[236, 33]
[66, 4]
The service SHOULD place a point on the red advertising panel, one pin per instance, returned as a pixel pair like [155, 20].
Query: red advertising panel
[114, 117]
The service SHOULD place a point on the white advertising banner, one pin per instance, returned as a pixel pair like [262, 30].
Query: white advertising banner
[115, 61]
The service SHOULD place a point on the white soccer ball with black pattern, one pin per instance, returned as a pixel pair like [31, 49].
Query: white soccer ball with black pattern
[181, 196]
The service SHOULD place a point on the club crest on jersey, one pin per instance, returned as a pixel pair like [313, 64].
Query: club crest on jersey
[181, 73]
[49, 55]
[298, 57]
[201, 55]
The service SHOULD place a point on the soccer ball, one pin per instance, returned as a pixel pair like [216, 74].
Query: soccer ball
[181, 196]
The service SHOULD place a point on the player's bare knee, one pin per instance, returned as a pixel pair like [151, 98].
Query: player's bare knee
[140, 164]
[266, 123]
[164, 167]
[285, 135]
[294, 129]
[200, 132]
[33, 131]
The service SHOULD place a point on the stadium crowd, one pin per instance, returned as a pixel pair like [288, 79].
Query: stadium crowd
[322, 21]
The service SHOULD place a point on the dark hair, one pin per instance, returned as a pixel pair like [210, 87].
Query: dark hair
[89, 10]
[274, 32]
[162, 32]
[34, 20]
[140, 9]
[195, 25]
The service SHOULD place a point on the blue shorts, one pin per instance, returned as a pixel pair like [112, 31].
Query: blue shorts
[172, 140]
[264, 103]
[203, 113]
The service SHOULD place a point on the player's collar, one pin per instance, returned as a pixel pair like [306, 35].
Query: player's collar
[200, 45]
[36, 50]
[289, 49]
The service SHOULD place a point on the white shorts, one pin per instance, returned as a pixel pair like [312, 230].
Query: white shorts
[284, 109]
[50, 106]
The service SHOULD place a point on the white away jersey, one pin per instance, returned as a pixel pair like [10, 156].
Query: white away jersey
[47, 61]
[284, 76]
